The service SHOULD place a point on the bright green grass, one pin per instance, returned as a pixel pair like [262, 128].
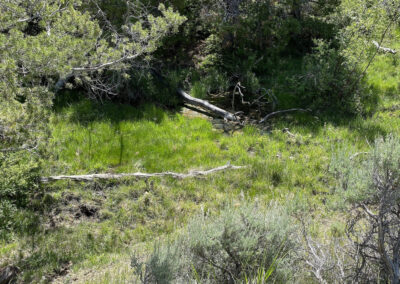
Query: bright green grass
[89, 137]
[384, 72]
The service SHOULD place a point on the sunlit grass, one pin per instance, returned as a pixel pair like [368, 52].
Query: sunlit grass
[289, 159]
[88, 137]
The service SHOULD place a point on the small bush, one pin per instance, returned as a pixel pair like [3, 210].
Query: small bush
[328, 82]
[243, 242]
[19, 180]
[369, 189]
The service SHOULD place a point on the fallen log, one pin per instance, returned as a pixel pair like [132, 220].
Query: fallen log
[268, 116]
[92, 177]
[384, 49]
[206, 105]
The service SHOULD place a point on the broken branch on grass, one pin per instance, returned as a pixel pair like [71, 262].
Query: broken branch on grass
[384, 49]
[268, 116]
[92, 177]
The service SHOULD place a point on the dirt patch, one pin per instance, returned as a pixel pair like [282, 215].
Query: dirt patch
[88, 210]
[73, 208]
[186, 112]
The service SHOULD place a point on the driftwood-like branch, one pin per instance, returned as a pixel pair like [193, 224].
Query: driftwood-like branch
[140, 175]
[206, 105]
[384, 49]
[268, 116]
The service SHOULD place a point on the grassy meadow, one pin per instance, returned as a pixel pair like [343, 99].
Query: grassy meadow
[90, 230]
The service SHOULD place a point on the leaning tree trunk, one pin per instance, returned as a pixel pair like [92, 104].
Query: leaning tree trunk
[206, 105]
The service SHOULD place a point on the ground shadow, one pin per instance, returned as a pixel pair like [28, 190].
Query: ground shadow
[78, 108]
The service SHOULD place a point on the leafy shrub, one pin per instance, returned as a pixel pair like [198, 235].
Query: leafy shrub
[243, 242]
[19, 180]
[369, 188]
[163, 266]
[328, 82]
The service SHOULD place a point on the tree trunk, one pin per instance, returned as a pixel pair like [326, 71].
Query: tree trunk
[206, 105]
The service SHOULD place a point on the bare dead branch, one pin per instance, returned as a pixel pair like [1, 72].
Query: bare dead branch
[92, 177]
[238, 90]
[268, 116]
[384, 49]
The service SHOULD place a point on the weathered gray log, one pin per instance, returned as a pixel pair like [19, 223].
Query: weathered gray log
[92, 177]
[384, 49]
[206, 105]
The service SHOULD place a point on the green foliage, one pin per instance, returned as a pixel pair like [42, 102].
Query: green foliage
[324, 45]
[86, 139]
[18, 183]
[360, 176]
[241, 242]
[199, 90]
[368, 186]
[63, 41]
[329, 83]
[41, 42]
[163, 266]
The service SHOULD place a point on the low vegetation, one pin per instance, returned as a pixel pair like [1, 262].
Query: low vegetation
[91, 87]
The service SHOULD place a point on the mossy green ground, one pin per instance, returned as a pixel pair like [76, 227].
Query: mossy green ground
[90, 230]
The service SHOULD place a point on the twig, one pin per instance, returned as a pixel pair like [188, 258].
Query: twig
[282, 111]
[238, 89]
[140, 175]
[286, 130]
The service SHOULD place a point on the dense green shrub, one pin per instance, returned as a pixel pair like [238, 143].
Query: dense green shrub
[330, 83]
[242, 242]
[18, 182]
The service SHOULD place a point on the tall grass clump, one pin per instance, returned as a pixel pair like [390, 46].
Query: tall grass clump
[243, 243]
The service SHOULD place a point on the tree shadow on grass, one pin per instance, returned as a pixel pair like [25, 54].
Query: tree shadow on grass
[77, 108]
[363, 128]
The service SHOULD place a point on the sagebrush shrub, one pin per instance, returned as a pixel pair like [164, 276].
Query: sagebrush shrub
[238, 244]
[369, 189]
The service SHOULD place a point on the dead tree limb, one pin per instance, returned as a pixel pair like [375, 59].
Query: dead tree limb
[238, 90]
[384, 49]
[268, 116]
[206, 105]
[92, 177]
